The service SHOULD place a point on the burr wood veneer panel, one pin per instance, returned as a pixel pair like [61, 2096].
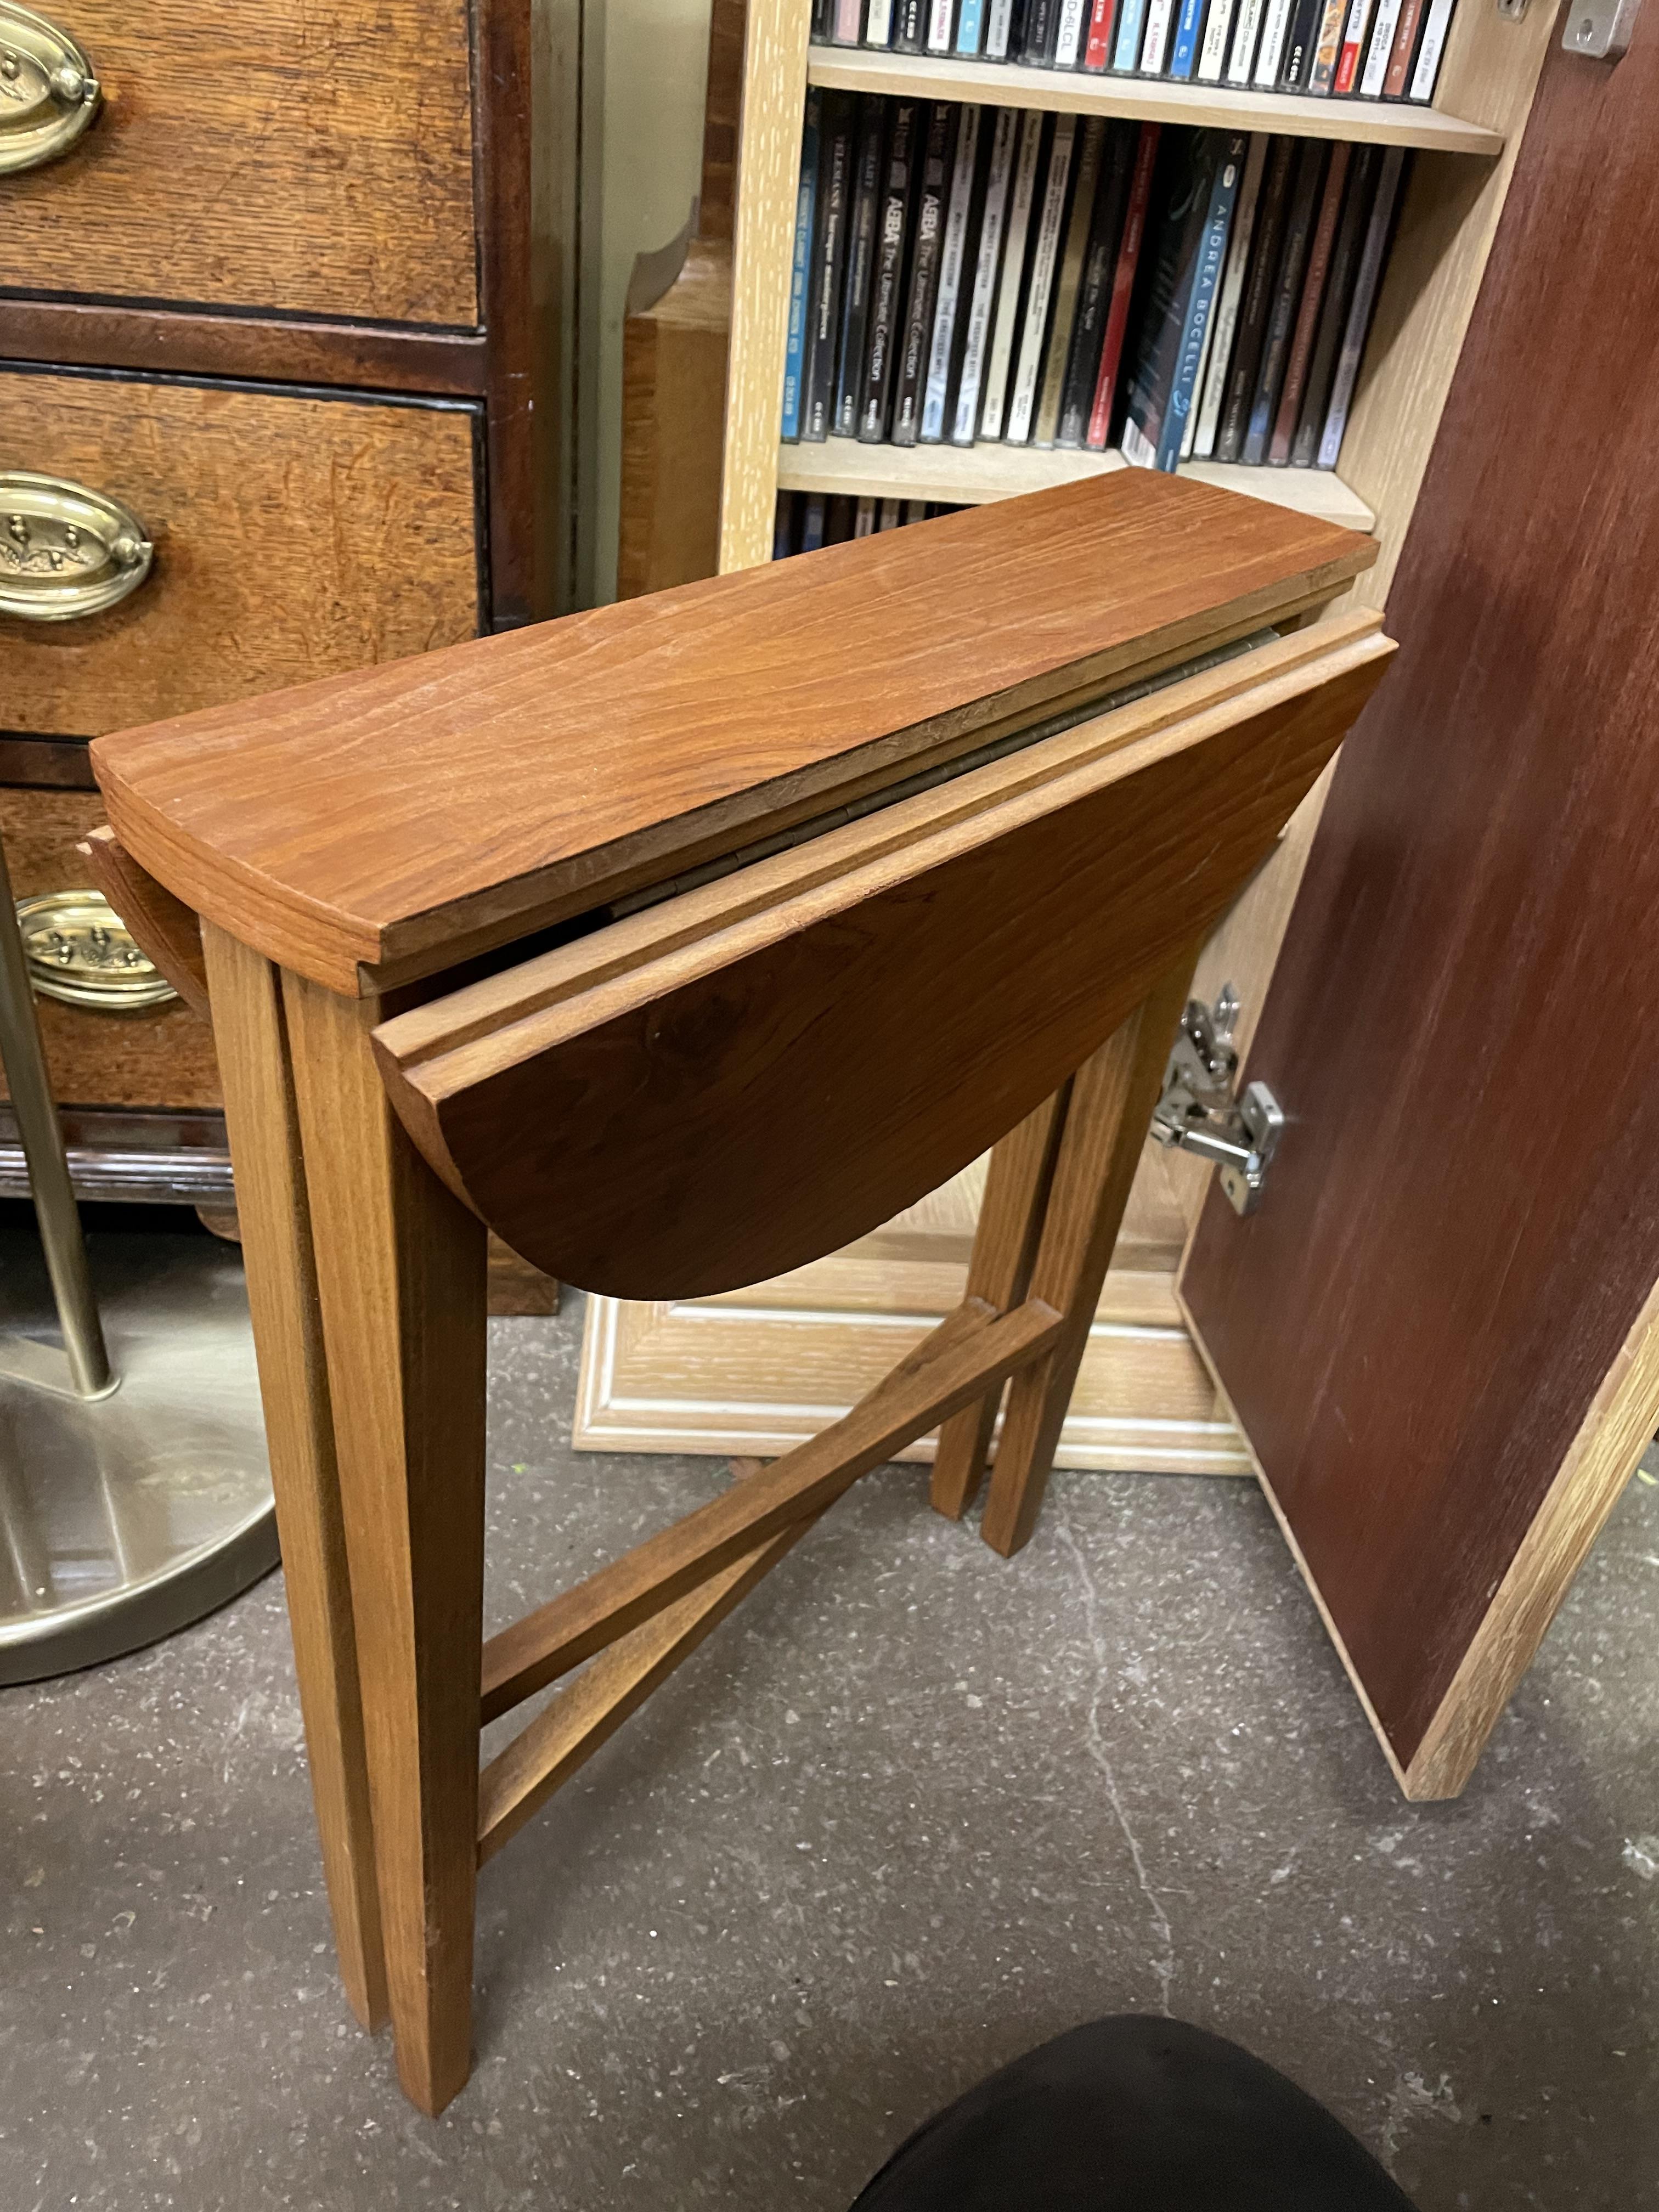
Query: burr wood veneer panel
[311, 161]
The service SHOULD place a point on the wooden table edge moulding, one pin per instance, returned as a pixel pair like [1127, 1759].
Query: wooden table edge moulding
[678, 942]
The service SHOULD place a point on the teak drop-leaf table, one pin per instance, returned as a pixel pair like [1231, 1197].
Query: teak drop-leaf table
[679, 943]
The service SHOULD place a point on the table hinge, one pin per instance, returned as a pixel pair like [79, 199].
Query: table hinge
[1199, 1113]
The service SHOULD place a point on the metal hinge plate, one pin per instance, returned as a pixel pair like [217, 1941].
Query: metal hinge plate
[1600, 28]
[1198, 1112]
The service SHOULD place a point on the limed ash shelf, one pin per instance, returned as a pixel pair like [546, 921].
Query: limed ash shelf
[968, 475]
[1146, 100]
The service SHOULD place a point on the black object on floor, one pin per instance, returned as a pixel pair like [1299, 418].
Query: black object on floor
[1133, 2114]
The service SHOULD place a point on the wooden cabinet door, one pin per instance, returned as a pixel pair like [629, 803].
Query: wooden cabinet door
[1440, 1333]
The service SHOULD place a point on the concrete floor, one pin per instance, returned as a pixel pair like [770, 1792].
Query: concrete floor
[913, 1811]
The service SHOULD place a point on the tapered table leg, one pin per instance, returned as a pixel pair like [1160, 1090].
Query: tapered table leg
[1005, 1243]
[251, 1040]
[401, 1271]
[1113, 1095]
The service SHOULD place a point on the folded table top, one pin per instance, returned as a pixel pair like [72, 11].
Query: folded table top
[374, 827]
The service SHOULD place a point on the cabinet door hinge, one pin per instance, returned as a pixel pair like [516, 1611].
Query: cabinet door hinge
[1199, 1113]
[1600, 28]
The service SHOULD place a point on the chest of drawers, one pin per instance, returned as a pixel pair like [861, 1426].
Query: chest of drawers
[280, 395]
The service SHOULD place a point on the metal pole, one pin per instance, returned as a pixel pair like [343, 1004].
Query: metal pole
[43, 1149]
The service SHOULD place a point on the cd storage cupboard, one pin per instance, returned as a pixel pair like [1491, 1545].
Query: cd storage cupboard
[281, 309]
[757, 1371]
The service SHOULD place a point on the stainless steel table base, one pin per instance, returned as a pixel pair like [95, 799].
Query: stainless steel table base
[124, 1517]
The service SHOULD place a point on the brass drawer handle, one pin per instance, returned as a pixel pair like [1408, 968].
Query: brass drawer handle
[48, 93]
[80, 950]
[66, 551]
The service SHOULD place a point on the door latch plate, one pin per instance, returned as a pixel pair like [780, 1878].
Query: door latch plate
[1199, 1113]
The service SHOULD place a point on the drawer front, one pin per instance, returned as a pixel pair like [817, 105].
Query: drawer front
[312, 158]
[295, 536]
[159, 1056]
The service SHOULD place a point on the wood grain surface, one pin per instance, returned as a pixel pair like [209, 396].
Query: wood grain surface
[1434, 266]
[675, 339]
[273, 1222]
[527, 73]
[294, 535]
[157, 1056]
[1429, 285]
[314, 161]
[448, 1041]
[674, 401]
[162, 927]
[722, 117]
[1005, 1239]
[1109, 1106]
[567, 1732]
[400, 1278]
[970, 1350]
[531, 775]
[1461, 1237]
[973, 475]
[95, 334]
[1199, 106]
[782, 1080]
[768, 167]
